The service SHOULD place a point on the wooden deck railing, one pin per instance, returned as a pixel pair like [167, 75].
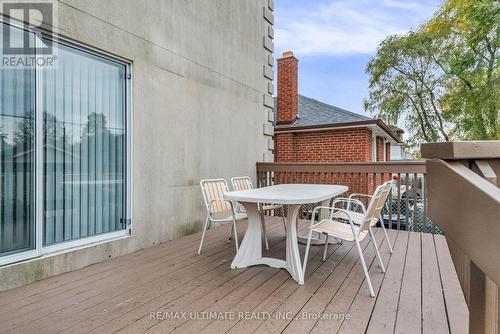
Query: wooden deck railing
[464, 201]
[407, 209]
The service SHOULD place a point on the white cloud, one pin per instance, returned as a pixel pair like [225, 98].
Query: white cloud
[346, 27]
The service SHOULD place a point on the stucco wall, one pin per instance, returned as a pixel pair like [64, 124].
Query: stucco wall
[201, 106]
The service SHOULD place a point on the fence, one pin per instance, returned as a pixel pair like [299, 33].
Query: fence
[407, 207]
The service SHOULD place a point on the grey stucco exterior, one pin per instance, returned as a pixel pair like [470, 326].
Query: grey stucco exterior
[201, 108]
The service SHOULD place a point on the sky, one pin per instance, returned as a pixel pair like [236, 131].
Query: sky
[335, 39]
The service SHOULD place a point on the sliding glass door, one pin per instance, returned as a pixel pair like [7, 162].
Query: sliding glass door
[63, 129]
[84, 147]
[17, 151]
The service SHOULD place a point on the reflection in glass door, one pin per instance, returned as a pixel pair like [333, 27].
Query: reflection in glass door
[63, 151]
[84, 147]
[17, 152]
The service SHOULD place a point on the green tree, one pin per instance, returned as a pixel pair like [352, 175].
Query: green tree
[405, 83]
[469, 35]
[442, 81]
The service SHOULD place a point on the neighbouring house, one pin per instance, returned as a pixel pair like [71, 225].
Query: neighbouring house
[143, 103]
[307, 130]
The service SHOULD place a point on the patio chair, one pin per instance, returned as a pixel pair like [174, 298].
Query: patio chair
[245, 183]
[350, 231]
[219, 209]
[357, 216]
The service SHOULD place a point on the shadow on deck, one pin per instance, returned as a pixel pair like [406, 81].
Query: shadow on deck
[169, 288]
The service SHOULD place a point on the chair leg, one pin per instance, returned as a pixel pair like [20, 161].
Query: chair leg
[363, 264]
[379, 258]
[235, 233]
[325, 250]
[385, 232]
[203, 234]
[264, 235]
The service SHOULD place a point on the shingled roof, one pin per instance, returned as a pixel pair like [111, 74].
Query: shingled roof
[314, 114]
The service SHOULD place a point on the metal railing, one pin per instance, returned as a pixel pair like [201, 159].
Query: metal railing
[407, 207]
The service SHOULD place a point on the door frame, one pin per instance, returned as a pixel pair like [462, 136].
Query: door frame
[38, 196]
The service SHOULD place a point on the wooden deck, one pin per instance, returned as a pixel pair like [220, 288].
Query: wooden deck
[161, 289]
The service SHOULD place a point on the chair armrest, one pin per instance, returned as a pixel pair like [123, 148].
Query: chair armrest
[360, 195]
[313, 214]
[350, 220]
[220, 200]
[349, 201]
[311, 226]
[346, 212]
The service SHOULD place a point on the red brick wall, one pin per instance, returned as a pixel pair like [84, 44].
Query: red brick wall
[387, 151]
[287, 90]
[344, 145]
[380, 149]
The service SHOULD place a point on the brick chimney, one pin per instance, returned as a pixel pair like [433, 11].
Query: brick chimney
[288, 98]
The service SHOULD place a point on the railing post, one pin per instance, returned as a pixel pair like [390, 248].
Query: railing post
[481, 291]
[492, 314]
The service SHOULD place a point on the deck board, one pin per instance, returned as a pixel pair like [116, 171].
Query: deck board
[433, 307]
[323, 296]
[456, 307]
[418, 293]
[343, 298]
[362, 306]
[386, 305]
[292, 305]
[409, 316]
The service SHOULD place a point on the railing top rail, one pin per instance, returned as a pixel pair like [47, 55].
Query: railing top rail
[462, 150]
[377, 163]
[407, 166]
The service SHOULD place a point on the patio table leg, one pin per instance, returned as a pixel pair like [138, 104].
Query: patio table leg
[251, 247]
[250, 251]
[292, 247]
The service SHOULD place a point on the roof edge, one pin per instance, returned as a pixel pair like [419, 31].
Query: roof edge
[377, 122]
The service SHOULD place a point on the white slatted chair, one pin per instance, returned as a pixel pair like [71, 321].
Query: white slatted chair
[358, 216]
[245, 183]
[350, 231]
[219, 209]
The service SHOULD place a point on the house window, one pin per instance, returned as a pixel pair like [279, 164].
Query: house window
[64, 149]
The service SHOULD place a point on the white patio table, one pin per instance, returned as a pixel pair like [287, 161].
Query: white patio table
[291, 195]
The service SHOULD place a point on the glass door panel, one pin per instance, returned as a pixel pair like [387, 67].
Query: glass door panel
[84, 147]
[17, 152]
[81, 166]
